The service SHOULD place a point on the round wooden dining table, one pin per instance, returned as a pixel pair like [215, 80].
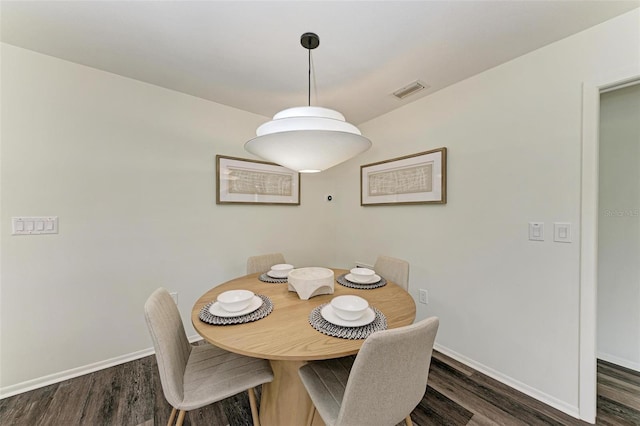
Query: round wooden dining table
[288, 341]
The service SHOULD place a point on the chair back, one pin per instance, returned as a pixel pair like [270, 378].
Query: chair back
[389, 375]
[170, 342]
[264, 262]
[396, 270]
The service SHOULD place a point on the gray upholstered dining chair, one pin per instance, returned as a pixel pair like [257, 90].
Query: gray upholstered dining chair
[263, 263]
[196, 376]
[396, 270]
[381, 385]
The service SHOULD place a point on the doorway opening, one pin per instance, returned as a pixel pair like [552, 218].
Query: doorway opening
[618, 280]
[589, 235]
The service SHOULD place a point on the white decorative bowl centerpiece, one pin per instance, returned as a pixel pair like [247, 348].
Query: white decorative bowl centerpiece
[281, 270]
[349, 307]
[235, 300]
[362, 275]
[312, 281]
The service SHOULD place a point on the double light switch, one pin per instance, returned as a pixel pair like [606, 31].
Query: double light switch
[561, 232]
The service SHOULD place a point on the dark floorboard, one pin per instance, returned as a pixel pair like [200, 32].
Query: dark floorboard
[131, 394]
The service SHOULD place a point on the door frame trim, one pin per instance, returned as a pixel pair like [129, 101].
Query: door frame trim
[591, 91]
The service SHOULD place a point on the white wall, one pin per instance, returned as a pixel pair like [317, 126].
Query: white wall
[619, 228]
[507, 305]
[129, 169]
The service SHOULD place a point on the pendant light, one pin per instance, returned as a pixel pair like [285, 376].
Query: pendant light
[308, 139]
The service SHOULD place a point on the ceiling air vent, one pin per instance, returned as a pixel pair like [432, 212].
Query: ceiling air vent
[409, 89]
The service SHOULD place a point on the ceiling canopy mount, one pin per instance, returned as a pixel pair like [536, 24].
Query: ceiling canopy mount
[310, 40]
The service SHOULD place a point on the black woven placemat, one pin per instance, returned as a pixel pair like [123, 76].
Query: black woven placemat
[267, 279]
[342, 280]
[323, 326]
[261, 312]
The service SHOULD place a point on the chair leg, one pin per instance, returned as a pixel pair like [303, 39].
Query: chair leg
[408, 420]
[181, 418]
[312, 412]
[254, 407]
[172, 417]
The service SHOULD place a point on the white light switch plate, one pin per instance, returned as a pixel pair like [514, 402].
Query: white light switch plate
[536, 231]
[34, 225]
[561, 232]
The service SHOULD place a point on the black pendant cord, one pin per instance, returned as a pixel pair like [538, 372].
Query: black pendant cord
[309, 96]
[309, 41]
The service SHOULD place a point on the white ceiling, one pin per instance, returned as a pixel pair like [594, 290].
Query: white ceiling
[248, 55]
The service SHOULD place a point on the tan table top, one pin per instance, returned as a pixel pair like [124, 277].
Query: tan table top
[285, 334]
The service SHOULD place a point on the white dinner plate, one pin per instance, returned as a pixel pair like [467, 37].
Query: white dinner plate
[217, 310]
[374, 279]
[280, 277]
[328, 314]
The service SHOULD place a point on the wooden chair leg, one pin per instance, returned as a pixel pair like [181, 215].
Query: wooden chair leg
[312, 412]
[408, 420]
[254, 407]
[172, 417]
[181, 418]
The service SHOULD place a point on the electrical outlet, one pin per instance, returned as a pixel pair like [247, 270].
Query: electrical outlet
[424, 297]
[174, 295]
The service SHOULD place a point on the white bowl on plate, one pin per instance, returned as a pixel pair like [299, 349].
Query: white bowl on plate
[362, 275]
[281, 270]
[349, 307]
[235, 300]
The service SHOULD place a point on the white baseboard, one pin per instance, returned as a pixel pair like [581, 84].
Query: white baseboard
[61, 376]
[511, 382]
[631, 365]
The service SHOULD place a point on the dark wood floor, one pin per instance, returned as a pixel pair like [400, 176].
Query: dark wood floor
[131, 394]
[618, 395]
